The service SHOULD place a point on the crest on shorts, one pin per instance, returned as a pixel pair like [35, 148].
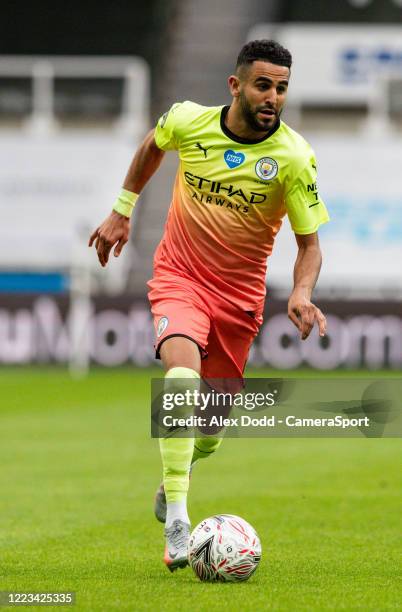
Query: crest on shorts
[162, 325]
[266, 168]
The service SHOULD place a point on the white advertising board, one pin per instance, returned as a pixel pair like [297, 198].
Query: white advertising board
[360, 181]
[53, 191]
[337, 64]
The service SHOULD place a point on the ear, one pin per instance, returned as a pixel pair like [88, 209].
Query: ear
[234, 85]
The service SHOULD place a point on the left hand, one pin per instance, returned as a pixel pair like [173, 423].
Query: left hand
[304, 314]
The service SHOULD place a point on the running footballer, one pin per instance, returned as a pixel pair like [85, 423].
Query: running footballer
[242, 169]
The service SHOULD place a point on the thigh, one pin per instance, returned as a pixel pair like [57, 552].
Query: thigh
[181, 321]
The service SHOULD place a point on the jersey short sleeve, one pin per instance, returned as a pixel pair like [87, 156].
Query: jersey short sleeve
[305, 208]
[174, 124]
[164, 135]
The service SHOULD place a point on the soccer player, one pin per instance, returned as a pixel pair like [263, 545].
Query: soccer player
[242, 169]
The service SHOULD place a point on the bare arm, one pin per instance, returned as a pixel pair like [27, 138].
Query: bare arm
[145, 163]
[116, 227]
[301, 311]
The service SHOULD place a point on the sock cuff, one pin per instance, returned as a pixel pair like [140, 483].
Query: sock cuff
[180, 372]
[176, 497]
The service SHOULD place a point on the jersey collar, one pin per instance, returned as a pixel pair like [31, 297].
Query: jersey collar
[233, 136]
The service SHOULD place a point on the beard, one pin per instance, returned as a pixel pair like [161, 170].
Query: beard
[251, 116]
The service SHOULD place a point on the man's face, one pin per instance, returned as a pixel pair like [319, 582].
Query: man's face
[262, 89]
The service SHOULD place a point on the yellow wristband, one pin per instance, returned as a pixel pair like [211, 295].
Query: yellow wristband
[125, 203]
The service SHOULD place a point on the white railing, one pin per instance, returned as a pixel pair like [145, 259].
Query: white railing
[43, 70]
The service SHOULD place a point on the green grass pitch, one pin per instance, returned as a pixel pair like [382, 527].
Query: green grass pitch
[78, 475]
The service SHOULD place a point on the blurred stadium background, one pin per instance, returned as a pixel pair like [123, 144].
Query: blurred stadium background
[80, 84]
[79, 89]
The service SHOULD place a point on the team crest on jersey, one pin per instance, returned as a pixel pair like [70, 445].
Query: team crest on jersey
[266, 168]
[162, 325]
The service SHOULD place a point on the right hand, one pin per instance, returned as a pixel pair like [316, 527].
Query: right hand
[114, 229]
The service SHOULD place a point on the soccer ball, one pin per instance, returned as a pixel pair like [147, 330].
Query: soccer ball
[224, 548]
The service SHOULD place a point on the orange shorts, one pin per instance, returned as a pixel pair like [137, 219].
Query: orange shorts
[224, 333]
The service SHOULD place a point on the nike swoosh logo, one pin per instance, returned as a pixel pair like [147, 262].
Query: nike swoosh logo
[173, 555]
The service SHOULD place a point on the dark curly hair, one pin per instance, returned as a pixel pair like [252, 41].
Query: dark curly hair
[266, 51]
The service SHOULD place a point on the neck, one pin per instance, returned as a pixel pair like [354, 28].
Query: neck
[236, 123]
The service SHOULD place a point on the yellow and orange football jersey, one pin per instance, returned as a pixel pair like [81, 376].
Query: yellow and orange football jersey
[229, 199]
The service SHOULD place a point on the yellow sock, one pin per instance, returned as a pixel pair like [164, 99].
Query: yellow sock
[176, 452]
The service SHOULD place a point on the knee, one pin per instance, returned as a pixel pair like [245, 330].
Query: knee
[180, 351]
[208, 445]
